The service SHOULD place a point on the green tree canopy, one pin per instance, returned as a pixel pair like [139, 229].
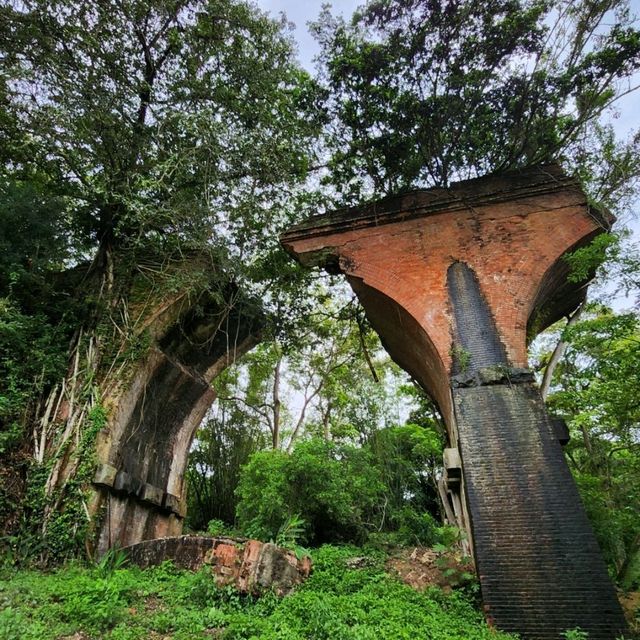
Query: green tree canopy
[425, 93]
[172, 124]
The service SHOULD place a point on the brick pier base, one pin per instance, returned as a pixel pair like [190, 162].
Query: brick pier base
[537, 559]
[456, 281]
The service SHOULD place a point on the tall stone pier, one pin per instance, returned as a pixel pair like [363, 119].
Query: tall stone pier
[456, 282]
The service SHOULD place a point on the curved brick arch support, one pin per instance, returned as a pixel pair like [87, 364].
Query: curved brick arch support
[478, 267]
[408, 344]
[556, 296]
[143, 451]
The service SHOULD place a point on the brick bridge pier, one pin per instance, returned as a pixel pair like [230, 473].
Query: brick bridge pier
[456, 282]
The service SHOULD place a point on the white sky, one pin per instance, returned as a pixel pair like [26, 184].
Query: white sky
[302, 11]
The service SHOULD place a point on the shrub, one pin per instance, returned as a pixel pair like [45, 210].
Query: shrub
[335, 489]
[217, 527]
[11, 624]
[417, 527]
[95, 605]
[264, 493]
[342, 599]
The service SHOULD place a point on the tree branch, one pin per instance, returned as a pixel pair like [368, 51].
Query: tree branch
[557, 354]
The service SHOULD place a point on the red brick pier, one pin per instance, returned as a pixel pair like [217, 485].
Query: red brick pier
[456, 282]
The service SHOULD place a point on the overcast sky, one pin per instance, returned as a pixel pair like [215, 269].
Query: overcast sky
[302, 11]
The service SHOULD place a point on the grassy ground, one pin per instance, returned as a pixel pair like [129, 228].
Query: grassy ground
[336, 603]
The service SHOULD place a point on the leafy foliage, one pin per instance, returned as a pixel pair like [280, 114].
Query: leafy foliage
[32, 339]
[336, 602]
[335, 489]
[188, 121]
[224, 444]
[343, 492]
[409, 458]
[31, 359]
[423, 93]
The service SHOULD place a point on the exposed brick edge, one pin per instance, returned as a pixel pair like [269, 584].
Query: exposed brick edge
[460, 196]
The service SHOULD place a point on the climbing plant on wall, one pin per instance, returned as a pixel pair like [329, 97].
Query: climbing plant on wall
[165, 142]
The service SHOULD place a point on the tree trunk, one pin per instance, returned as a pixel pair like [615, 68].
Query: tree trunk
[629, 561]
[557, 354]
[277, 404]
[325, 422]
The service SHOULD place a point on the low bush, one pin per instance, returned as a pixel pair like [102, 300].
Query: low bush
[338, 602]
[343, 493]
[335, 489]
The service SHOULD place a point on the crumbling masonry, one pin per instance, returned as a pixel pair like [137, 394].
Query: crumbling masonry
[140, 486]
[456, 282]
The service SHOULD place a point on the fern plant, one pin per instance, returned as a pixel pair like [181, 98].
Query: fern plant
[290, 533]
[114, 559]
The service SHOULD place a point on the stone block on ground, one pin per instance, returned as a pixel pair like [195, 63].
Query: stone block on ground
[250, 566]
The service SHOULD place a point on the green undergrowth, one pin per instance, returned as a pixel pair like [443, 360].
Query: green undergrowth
[336, 602]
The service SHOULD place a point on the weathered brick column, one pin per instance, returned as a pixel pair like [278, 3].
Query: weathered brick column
[139, 484]
[456, 281]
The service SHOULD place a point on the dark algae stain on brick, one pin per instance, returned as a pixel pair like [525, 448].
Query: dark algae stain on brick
[456, 308]
[477, 344]
[537, 558]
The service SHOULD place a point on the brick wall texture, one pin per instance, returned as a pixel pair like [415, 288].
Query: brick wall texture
[455, 281]
[513, 244]
[538, 562]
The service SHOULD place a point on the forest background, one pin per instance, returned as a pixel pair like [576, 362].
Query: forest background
[137, 134]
